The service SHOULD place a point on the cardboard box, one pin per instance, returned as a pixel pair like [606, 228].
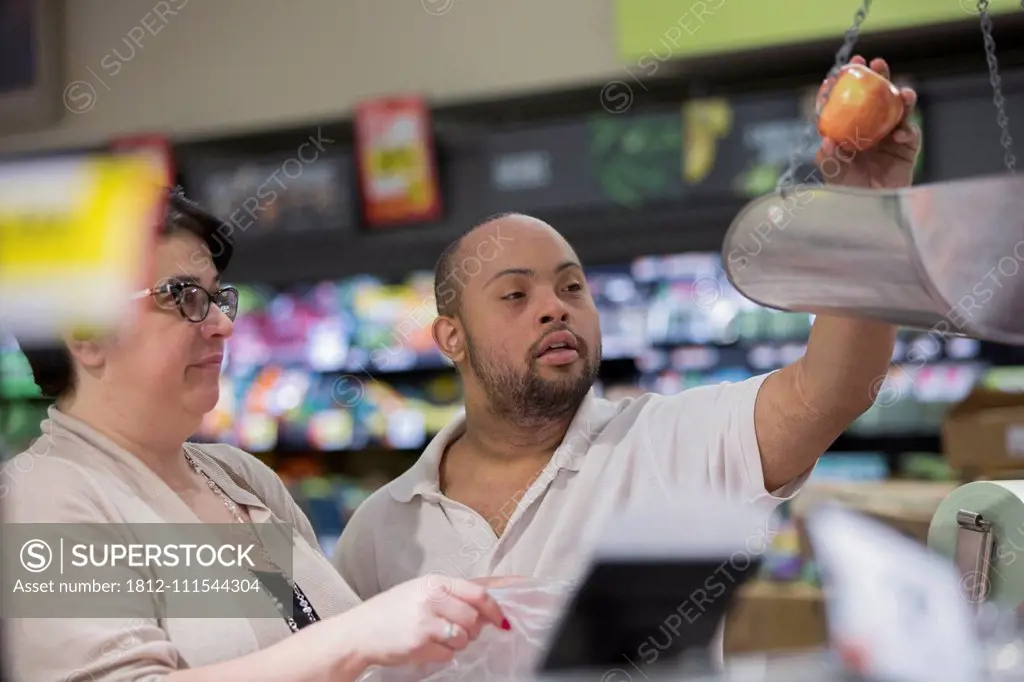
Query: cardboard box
[781, 617]
[906, 506]
[777, 618]
[984, 433]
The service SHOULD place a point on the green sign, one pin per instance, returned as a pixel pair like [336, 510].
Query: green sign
[658, 30]
[638, 158]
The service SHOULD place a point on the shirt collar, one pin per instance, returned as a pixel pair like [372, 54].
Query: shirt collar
[59, 424]
[423, 477]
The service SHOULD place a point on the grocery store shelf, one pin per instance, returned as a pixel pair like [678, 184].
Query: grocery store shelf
[349, 365]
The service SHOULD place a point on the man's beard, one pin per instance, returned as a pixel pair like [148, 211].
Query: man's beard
[527, 397]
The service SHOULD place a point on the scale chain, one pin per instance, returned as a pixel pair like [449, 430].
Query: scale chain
[996, 81]
[811, 137]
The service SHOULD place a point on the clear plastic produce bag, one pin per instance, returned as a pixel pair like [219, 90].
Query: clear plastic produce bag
[531, 606]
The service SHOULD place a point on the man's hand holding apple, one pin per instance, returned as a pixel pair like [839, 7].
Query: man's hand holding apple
[867, 138]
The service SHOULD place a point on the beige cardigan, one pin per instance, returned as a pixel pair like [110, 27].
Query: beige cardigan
[72, 474]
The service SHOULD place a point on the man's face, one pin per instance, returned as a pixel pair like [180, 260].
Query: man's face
[529, 336]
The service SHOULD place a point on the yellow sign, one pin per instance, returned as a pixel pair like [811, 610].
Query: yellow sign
[705, 122]
[73, 234]
[653, 31]
[56, 216]
[404, 165]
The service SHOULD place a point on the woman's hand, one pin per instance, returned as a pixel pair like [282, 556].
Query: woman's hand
[425, 620]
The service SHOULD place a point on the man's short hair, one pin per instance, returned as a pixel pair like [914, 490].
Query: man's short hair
[448, 294]
[51, 365]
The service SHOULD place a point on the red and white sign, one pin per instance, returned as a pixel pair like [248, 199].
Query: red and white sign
[396, 160]
[157, 147]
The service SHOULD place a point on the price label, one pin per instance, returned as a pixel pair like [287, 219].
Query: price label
[75, 237]
[895, 609]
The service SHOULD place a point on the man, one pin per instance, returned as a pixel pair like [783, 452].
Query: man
[520, 484]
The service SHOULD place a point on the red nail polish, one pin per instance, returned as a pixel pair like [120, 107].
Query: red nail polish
[505, 625]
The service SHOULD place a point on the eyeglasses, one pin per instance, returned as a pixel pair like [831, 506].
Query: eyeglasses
[193, 301]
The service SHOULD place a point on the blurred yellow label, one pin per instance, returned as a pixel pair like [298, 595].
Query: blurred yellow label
[81, 215]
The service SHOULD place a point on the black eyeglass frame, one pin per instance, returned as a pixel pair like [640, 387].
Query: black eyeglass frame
[176, 289]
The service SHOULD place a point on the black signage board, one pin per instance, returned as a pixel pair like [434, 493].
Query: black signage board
[638, 160]
[967, 138]
[658, 179]
[327, 240]
[539, 169]
[704, 150]
[596, 161]
[270, 195]
[740, 146]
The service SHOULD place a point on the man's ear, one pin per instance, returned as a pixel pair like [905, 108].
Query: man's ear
[448, 337]
[87, 349]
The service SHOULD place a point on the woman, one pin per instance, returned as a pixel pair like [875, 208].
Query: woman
[113, 451]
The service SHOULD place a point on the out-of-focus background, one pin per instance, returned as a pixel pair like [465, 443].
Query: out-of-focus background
[636, 127]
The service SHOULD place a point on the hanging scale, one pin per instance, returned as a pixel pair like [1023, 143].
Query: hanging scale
[812, 139]
[1009, 160]
[921, 256]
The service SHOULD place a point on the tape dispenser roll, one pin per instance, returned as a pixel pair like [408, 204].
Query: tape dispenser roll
[980, 527]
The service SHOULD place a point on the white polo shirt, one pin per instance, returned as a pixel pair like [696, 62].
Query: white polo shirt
[700, 440]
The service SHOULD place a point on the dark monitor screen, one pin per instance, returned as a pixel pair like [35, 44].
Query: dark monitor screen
[642, 614]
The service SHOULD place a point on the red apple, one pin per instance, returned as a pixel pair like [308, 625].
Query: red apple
[862, 108]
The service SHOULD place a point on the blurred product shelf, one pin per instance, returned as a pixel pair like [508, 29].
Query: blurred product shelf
[337, 384]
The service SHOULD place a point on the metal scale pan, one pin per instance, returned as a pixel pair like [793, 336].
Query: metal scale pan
[946, 256]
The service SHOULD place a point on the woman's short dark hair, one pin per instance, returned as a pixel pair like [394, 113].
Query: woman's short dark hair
[51, 365]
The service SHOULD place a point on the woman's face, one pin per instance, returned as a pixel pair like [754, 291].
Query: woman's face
[162, 359]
